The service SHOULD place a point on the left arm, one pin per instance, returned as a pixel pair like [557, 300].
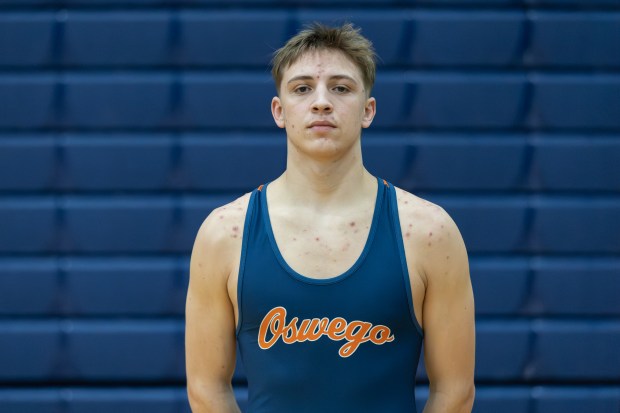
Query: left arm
[448, 319]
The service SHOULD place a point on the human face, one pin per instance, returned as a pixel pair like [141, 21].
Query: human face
[323, 104]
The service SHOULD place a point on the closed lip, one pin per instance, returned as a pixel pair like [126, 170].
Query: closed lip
[322, 123]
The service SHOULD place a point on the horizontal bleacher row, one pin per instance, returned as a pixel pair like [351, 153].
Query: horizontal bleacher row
[115, 287]
[233, 162]
[489, 399]
[402, 37]
[152, 101]
[168, 224]
[553, 4]
[108, 350]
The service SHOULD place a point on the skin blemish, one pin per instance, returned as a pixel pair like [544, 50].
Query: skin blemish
[429, 244]
[352, 223]
[442, 225]
[356, 231]
[430, 234]
[221, 216]
[294, 239]
[408, 234]
[235, 228]
[406, 202]
[447, 257]
[317, 239]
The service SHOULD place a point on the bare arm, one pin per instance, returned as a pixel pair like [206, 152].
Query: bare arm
[210, 322]
[449, 326]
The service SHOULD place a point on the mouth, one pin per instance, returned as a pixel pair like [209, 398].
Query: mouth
[322, 125]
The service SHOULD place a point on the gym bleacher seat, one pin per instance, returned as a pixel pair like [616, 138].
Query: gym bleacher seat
[124, 123]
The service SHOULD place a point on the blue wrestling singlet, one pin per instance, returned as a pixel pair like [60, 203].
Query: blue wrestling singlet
[347, 344]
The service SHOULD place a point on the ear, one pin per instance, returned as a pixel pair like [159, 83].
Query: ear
[277, 111]
[370, 109]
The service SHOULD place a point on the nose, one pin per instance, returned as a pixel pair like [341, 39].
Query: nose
[322, 104]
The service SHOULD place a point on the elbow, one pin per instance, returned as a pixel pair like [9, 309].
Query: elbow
[454, 398]
[197, 398]
[210, 397]
[469, 397]
[463, 399]
[200, 398]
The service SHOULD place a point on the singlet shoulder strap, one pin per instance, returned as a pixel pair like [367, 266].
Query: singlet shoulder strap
[393, 206]
[247, 228]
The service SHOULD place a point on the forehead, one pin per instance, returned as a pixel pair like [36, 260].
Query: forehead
[324, 62]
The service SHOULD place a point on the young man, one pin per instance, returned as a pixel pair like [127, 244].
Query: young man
[329, 278]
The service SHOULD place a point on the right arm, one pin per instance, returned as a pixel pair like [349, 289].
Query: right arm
[210, 322]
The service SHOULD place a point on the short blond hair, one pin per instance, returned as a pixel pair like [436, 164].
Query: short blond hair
[346, 39]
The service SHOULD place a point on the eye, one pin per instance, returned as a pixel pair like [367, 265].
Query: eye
[301, 89]
[341, 89]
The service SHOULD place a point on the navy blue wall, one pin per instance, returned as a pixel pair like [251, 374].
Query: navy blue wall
[124, 123]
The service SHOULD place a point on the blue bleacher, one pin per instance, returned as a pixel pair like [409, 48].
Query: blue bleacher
[600, 399]
[487, 224]
[26, 39]
[574, 350]
[98, 225]
[448, 163]
[117, 101]
[28, 225]
[26, 163]
[500, 286]
[465, 101]
[115, 38]
[575, 102]
[567, 164]
[136, 350]
[589, 287]
[146, 287]
[87, 160]
[574, 39]
[124, 123]
[26, 101]
[29, 287]
[219, 164]
[473, 39]
[216, 101]
[31, 350]
[573, 225]
[253, 37]
[501, 350]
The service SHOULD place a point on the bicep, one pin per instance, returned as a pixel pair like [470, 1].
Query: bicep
[449, 326]
[210, 325]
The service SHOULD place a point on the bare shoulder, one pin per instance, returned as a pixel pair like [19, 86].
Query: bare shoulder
[218, 240]
[431, 232]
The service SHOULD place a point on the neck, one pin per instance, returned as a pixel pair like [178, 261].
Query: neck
[325, 182]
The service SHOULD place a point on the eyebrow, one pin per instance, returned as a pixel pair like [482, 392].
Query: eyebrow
[308, 77]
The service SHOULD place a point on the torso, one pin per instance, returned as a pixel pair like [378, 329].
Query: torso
[326, 246]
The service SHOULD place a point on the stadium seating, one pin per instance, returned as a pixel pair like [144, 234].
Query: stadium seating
[124, 123]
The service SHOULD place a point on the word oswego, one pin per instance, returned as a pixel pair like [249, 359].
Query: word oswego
[355, 332]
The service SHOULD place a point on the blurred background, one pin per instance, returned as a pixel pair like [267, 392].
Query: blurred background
[124, 123]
